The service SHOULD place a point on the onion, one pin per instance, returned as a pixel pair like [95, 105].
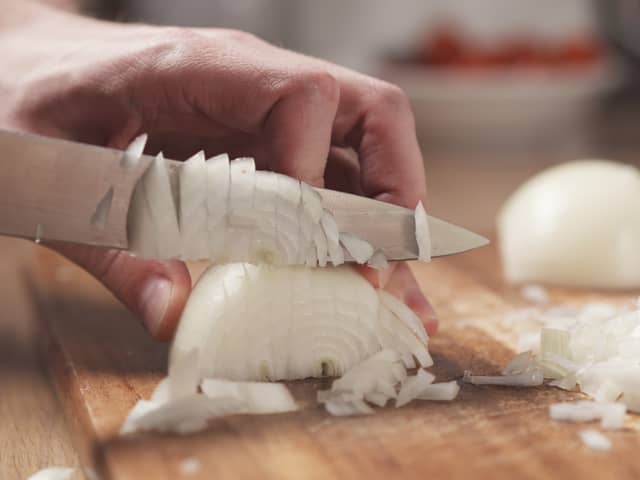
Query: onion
[378, 261]
[594, 440]
[574, 225]
[53, 473]
[532, 378]
[360, 250]
[259, 397]
[444, 391]
[193, 207]
[134, 151]
[611, 414]
[423, 237]
[413, 386]
[251, 322]
[189, 466]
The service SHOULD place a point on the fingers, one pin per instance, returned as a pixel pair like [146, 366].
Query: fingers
[155, 291]
[298, 127]
[403, 285]
[375, 119]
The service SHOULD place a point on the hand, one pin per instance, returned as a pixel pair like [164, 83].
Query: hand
[224, 91]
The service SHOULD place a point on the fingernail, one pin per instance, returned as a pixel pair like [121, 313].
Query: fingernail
[154, 301]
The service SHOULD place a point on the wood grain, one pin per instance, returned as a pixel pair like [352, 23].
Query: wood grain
[103, 362]
[33, 431]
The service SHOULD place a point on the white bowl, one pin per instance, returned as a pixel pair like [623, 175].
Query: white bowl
[502, 107]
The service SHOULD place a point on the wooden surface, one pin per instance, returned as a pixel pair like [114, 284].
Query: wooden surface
[102, 363]
[466, 189]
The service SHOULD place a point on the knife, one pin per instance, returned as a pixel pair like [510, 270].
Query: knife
[58, 190]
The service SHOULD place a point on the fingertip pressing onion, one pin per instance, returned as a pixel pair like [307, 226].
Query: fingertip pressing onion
[575, 225]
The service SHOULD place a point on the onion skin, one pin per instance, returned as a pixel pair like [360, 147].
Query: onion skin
[574, 225]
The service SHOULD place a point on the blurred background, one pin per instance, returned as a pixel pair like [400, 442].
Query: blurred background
[500, 88]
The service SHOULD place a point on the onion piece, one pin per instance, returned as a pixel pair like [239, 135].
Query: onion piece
[333, 238]
[185, 415]
[523, 362]
[554, 345]
[413, 386]
[378, 261]
[260, 397]
[423, 237]
[193, 208]
[532, 378]
[189, 466]
[341, 407]
[53, 473]
[442, 391]
[134, 151]
[594, 440]
[218, 179]
[360, 250]
[610, 414]
[184, 378]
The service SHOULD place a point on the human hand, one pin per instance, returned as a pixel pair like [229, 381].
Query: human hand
[223, 91]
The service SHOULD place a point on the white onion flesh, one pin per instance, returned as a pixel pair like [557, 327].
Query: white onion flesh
[594, 440]
[259, 397]
[574, 225]
[134, 151]
[187, 413]
[413, 386]
[189, 466]
[360, 250]
[378, 261]
[423, 237]
[443, 391]
[523, 362]
[53, 473]
[532, 378]
[229, 212]
[611, 415]
[252, 323]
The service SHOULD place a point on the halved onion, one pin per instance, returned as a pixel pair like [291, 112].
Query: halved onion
[575, 225]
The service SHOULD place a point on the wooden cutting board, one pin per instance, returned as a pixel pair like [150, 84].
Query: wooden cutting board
[102, 362]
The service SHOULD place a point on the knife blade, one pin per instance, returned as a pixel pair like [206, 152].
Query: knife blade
[58, 190]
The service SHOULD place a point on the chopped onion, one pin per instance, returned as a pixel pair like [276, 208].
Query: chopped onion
[594, 440]
[443, 391]
[378, 261]
[53, 473]
[523, 362]
[259, 397]
[189, 466]
[413, 386]
[535, 294]
[610, 414]
[360, 250]
[193, 208]
[134, 151]
[423, 237]
[532, 378]
[342, 407]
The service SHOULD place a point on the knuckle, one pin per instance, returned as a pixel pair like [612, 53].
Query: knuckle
[391, 96]
[317, 83]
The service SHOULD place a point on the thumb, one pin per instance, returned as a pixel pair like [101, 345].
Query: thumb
[155, 291]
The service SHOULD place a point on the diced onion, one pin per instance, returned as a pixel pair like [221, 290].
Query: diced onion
[594, 440]
[423, 237]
